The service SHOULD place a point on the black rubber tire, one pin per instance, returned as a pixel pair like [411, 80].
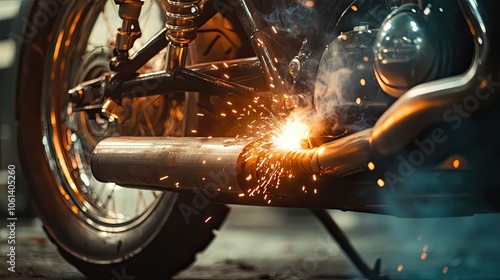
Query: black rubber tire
[164, 243]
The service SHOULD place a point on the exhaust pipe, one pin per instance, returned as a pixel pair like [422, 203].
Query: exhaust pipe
[225, 164]
[237, 165]
[425, 104]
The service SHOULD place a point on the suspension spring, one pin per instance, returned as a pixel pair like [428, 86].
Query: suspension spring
[181, 15]
[181, 30]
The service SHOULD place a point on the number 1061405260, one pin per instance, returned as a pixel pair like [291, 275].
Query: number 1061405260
[11, 191]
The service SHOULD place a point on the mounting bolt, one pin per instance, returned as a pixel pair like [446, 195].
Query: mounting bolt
[361, 28]
[294, 67]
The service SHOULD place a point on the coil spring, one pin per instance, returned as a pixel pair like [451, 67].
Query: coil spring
[181, 15]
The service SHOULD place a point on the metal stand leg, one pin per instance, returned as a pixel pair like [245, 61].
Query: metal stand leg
[339, 236]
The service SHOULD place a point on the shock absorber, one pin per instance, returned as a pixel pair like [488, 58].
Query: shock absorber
[181, 30]
[130, 31]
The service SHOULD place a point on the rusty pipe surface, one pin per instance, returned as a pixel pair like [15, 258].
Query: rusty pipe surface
[224, 164]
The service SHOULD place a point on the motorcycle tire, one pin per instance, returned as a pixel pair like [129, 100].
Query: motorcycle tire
[167, 232]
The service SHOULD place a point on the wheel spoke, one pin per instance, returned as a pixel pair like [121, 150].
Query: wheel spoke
[109, 196]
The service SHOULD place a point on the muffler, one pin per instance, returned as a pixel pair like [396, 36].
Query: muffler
[224, 164]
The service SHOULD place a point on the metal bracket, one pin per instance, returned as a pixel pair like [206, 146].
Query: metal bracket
[336, 232]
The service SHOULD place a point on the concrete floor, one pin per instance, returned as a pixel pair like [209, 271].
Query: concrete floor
[265, 243]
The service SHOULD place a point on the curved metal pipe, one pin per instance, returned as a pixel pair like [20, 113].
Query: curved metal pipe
[165, 163]
[218, 163]
[425, 104]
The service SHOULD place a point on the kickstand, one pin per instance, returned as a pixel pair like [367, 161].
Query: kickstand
[339, 236]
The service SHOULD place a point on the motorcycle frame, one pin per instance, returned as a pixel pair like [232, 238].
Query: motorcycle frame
[356, 192]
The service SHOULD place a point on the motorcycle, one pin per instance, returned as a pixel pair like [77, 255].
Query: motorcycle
[133, 140]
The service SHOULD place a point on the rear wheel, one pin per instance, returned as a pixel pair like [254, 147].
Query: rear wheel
[103, 229]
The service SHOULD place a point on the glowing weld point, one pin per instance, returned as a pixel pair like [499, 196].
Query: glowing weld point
[241, 195]
[456, 163]
[219, 158]
[314, 177]
[274, 29]
[399, 268]
[315, 191]
[269, 201]
[204, 161]
[371, 166]
[193, 131]
[354, 8]
[226, 75]
[249, 177]
[229, 103]
[303, 188]
[358, 100]
[208, 219]
[203, 179]
[445, 270]
[163, 178]
[225, 64]
[200, 115]
[215, 67]
[229, 188]
[380, 183]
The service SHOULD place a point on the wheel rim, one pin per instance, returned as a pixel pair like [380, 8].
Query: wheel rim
[69, 136]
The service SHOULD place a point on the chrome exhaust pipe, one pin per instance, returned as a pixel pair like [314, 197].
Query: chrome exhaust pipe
[168, 162]
[425, 104]
[225, 164]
